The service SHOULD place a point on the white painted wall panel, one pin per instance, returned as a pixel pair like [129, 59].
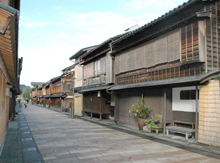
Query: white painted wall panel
[182, 105]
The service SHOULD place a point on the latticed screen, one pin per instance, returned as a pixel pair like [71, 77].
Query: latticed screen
[188, 95]
[95, 68]
[189, 42]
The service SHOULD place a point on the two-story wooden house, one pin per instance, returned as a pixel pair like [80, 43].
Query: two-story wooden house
[56, 96]
[40, 94]
[66, 87]
[34, 91]
[97, 77]
[78, 80]
[173, 63]
[46, 94]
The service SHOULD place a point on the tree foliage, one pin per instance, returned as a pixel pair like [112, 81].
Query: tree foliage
[26, 94]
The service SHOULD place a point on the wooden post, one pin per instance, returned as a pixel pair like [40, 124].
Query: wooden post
[197, 108]
[164, 110]
[100, 106]
[73, 102]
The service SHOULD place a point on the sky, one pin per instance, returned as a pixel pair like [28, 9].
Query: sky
[51, 31]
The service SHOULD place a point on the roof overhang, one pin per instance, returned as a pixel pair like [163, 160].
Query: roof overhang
[81, 52]
[190, 80]
[76, 89]
[47, 96]
[94, 89]
[58, 95]
[9, 39]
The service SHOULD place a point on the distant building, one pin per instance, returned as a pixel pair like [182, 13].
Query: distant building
[34, 90]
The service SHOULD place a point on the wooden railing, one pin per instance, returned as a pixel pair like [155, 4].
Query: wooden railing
[173, 72]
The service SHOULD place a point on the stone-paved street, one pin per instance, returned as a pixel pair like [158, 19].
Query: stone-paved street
[62, 139]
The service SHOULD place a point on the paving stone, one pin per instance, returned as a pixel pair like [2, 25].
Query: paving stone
[59, 138]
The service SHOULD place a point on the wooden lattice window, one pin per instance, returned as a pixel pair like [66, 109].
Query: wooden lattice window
[188, 95]
[189, 42]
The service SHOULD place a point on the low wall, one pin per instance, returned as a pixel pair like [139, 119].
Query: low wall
[209, 113]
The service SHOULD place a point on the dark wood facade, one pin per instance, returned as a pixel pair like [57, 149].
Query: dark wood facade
[182, 43]
[152, 97]
[97, 105]
[97, 76]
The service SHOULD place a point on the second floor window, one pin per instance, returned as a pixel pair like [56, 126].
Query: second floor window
[95, 68]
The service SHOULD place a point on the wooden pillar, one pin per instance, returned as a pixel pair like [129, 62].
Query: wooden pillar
[100, 106]
[197, 108]
[164, 110]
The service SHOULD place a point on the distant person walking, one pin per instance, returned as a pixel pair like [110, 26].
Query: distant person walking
[25, 104]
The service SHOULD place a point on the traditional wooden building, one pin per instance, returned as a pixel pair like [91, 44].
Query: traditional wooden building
[46, 94]
[78, 80]
[56, 96]
[66, 87]
[173, 63]
[97, 77]
[40, 94]
[10, 64]
[34, 91]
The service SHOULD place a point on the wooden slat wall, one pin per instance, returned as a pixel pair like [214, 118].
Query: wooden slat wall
[173, 47]
[47, 91]
[3, 111]
[189, 42]
[212, 38]
[56, 89]
[163, 49]
[56, 102]
[139, 58]
[1, 91]
[92, 102]
[168, 73]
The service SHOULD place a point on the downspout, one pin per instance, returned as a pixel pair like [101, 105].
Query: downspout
[113, 58]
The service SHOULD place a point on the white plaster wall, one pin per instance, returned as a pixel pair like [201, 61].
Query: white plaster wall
[182, 105]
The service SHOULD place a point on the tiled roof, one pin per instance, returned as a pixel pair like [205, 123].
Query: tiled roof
[156, 20]
[105, 42]
[36, 83]
[69, 67]
[81, 52]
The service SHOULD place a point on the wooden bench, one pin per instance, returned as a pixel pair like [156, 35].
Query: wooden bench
[96, 112]
[157, 129]
[180, 130]
[175, 122]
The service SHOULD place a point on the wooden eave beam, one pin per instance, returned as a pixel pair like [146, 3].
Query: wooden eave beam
[8, 49]
[102, 52]
[14, 42]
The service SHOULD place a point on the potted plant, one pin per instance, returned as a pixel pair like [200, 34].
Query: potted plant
[149, 124]
[141, 111]
[157, 118]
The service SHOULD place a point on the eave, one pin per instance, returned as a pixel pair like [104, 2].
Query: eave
[9, 39]
[183, 81]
